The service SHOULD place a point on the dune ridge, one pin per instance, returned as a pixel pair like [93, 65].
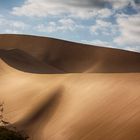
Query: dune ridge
[73, 57]
[59, 90]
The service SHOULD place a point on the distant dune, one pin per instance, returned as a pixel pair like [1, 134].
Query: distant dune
[72, 57]
[60, 90]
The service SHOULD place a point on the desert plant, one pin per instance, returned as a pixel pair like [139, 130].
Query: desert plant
[6, 132]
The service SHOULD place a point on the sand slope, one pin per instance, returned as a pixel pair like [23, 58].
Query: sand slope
[20, 60]
[101, 105]
[73, 57]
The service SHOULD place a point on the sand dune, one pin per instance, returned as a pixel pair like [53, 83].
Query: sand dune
[59, 90]
[22, 61]
[73, 57]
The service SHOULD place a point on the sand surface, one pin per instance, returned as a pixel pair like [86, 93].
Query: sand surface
[59, 90]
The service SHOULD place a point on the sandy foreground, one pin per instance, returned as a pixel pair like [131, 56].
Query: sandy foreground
[60, 94]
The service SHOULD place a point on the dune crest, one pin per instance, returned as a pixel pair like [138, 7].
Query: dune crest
[72, 57]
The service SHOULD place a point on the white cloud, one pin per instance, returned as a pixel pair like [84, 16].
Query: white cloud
[105, 12]
[64, 24]
[67, 24]
[83, 9]
[39, 8]
[129, 28]
[121, 4]
[105, 27]
[118, 4]
[74, 8]
[11, 31]
[100, 24]
[11, 26]
[46, 28]
[90, 13]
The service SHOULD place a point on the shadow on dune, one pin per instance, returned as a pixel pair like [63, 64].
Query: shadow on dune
[43, 112]
[22, 61]
[45, 55]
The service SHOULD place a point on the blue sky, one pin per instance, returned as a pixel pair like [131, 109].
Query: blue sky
[110, 23]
